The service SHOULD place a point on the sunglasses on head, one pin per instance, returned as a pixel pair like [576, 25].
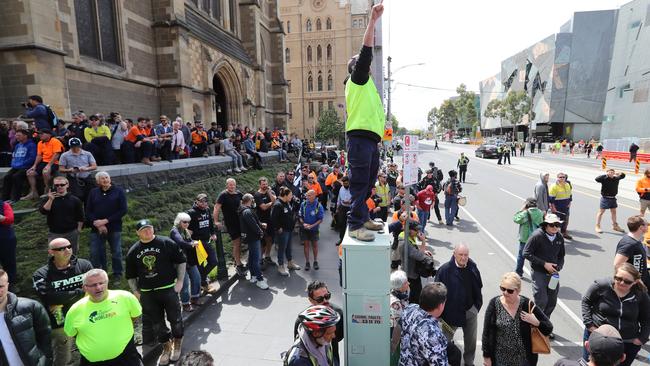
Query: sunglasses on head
[624, 280]
[319, 299]
[60, 249]
[508, 290]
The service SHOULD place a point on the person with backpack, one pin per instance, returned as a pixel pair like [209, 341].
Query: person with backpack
[42, 114]
[313, 346]
[451, 188]
[529, 218]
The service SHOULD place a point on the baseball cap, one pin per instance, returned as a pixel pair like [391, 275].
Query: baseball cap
[606, 345]
[201, 197]
[142, 224]
[74, 142]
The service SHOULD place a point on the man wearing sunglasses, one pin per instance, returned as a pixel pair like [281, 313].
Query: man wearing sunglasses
[59, 284]
[65, 213]
[545, 251]
[319, 294]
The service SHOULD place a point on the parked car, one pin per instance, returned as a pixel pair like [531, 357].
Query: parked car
[486, 151]
[464, 140]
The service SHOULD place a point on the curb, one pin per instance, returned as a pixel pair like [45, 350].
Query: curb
[151, 353]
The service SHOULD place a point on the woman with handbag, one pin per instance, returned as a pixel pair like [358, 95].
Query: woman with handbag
[191, 290]
[623, 303]
[515, 330]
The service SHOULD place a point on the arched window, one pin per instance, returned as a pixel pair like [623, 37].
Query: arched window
[308, 25]
[308, 53]
[328, 24]
[310, 83]
[329, 52]
[319, 53]
[318, 24]
[355, 23]
[330, 82]
[320, 81]
[288, 26]
[287, 55]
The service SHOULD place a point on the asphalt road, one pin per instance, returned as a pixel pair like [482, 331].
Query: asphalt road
[495, 193]
[249, 326]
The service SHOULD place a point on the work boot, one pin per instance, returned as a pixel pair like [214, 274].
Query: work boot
[146, 161]
[599, 230]
[362, 234]
[618, 228]
[166, 353]
[372, 225]
[292, 266]
[282, 270]
[176, 354]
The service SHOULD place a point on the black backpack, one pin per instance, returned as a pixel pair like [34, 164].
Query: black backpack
[51, 117]
[438, 174]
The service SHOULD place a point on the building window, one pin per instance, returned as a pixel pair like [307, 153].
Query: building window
[330, 105]
[355, 24]
[310, 83]
[216, 9]
[233, 15]
[290, 111]
[308, 53]
[318, 24]
[330, 82]
[311, 109]
[320, 82]
[205, 5]
[320, 108]
[328, 24]
[289, 86]
[96, 29]
[361, 24]
[288, 26]
[308, 26]
[329, 52]
[319, 53]
[287, 55]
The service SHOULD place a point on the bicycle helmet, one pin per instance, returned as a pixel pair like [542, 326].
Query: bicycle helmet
[319, 317]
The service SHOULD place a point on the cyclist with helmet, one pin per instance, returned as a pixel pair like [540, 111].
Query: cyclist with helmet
[313, 345]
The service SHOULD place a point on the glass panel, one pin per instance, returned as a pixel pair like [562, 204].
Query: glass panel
[206, 5]
[216, 9]
[86, 28]
[107, 33]
[233, 15]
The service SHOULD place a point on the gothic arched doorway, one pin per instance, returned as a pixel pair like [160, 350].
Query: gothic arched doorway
[220, 102]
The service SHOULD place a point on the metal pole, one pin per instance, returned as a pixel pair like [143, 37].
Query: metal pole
[389, 122]
[405, 253]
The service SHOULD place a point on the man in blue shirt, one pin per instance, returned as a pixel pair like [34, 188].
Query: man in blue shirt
[37, 110]
[23, 158]
[311, 215]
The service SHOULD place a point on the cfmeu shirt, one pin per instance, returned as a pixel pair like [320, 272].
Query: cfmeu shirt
[153, 263]
[103, 329]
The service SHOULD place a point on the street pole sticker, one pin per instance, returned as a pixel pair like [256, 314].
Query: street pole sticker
[410, 160]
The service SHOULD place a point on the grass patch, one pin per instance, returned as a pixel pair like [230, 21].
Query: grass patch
[159, 204]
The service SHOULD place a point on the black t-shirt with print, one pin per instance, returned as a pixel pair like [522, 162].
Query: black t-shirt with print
[636, 255]
[153, 263]
[229, 205]
[263, 198]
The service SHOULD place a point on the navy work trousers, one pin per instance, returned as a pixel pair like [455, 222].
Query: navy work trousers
[363, 162]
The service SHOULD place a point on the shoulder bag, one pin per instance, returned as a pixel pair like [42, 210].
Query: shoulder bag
[540, 343]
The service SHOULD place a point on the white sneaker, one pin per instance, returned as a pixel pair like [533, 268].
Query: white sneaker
[253, 279]
[237, 170]
[282, 270]
[262, 284]
[292, 266]
[243, 169]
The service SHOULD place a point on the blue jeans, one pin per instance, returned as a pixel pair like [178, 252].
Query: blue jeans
[423, 216]
[283, 241]
[451, 209]
[254, 252]
[520, 260]
[363, 162]
[191, 281]
[98, 251]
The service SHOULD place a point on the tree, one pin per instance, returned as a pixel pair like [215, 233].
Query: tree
[513, 108]
[394, 123]
[432, 118]
[447, 116]
[465, 105]
[330, 127]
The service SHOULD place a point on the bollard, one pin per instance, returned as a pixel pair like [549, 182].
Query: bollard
[604, 164]
[637, 165]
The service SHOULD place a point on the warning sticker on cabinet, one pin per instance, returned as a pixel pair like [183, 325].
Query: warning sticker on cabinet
[367, 319]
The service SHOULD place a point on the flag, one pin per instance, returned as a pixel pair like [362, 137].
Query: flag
[297, 180]
[201, 254]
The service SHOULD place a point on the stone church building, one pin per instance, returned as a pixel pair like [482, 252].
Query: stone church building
[209, 60]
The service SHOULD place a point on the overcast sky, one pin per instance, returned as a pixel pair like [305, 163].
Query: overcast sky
[462, 41]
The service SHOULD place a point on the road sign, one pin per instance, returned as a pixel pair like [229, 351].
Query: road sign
[410, 160]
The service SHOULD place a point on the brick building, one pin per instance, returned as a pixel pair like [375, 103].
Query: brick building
[213, 60]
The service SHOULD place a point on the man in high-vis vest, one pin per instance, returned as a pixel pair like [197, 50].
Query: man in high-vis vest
[365, 128]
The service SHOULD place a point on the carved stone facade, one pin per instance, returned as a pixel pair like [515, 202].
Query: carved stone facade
[213, 60]
[321, 36]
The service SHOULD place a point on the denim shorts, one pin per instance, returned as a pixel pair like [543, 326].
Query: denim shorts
[607, 202]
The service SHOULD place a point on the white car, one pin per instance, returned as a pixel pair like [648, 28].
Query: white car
[464, 140]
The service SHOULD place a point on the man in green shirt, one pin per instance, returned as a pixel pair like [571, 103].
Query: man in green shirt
[529, 218]
[102, 323]
[364, 129]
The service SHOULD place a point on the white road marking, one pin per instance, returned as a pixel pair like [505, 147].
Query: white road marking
[560, 303]
[512, 194]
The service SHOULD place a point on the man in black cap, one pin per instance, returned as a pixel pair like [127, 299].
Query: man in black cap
[155, 269]
[78, 164]
[605, 348]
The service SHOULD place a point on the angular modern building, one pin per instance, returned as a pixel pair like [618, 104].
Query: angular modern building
[213, 60]
[565, 75]
[627, 107]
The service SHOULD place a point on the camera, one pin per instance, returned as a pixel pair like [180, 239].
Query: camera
[24, 104]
